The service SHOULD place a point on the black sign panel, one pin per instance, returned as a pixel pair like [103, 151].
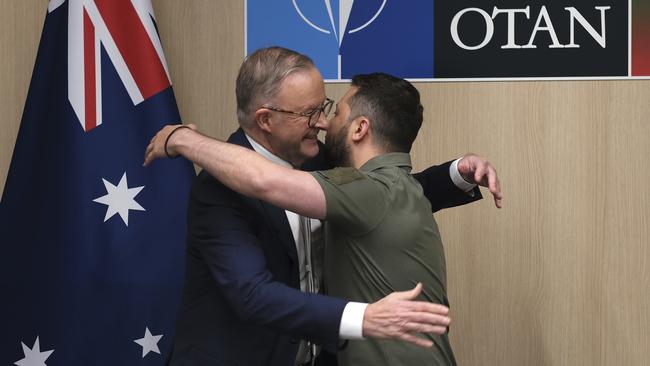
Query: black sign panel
[531, 38]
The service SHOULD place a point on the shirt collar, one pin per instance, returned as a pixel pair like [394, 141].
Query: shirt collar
[267, 154]
[400, 159]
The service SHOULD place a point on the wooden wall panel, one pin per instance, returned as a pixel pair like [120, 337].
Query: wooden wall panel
[21, 23]
[559, 276]
[204, 46]
[556, 277]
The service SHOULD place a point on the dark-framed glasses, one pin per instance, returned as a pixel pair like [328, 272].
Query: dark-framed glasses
[312, 115]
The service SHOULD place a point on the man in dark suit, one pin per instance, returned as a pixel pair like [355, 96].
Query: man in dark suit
[246, 267]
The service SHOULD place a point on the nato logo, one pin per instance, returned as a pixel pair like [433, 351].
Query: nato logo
[348, 37]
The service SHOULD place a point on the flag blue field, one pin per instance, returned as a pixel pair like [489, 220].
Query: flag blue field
[348, 37]
[93, 244]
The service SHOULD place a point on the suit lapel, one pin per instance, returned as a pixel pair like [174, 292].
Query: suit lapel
[278, 219]
[276, 216]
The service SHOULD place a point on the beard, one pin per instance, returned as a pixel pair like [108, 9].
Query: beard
[337, 150]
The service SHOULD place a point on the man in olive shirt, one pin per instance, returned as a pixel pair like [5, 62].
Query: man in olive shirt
[381, 237]
[380, 234]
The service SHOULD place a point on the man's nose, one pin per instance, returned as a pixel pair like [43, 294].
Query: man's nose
[322, 123]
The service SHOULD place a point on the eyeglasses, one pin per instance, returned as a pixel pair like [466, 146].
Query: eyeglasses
[312, 115]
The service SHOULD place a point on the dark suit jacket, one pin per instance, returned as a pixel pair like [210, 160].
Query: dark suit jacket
[241, 303]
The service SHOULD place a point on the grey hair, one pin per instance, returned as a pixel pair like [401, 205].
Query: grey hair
[260, 77]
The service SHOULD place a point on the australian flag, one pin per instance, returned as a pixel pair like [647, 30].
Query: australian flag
[92, 254]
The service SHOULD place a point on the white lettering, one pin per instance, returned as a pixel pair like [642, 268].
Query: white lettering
[543, 15]
[489, 32]
[543, 23]
[600, 38]
[511, 24]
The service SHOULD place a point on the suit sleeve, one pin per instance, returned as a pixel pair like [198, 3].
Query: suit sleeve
[225, 230]
[441, 191]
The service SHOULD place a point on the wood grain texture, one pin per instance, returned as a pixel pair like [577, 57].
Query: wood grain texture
[559, 276]
[204, 46]
[21, 23]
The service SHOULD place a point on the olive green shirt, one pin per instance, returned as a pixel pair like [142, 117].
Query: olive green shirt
[381, 237]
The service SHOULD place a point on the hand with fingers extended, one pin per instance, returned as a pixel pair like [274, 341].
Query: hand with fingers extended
[160, 147]
[398, 316]
[478, 170]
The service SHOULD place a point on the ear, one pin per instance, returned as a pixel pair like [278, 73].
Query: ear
[360, 128]
[263, 119]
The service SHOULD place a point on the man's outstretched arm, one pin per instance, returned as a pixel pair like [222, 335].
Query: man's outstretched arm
[455, 183]
[242, 170]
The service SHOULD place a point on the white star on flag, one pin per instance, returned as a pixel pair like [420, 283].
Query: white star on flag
[149, 342]
[120, 199]
[33, 356]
